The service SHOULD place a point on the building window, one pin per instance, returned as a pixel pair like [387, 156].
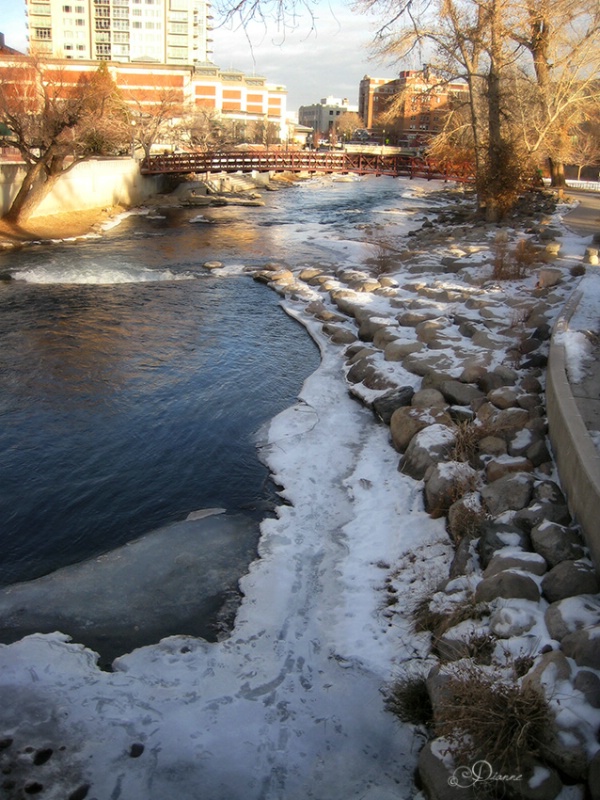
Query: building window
[135, 24]
[42, 33]
[79, 23]
[67, 9]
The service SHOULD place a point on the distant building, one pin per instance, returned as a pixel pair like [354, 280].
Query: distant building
[321, 117]
[153, 31]
[422, 102]
[228, 93]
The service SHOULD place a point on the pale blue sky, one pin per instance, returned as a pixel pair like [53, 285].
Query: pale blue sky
[321, 57]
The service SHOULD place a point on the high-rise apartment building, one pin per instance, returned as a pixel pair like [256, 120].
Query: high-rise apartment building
[148, 31]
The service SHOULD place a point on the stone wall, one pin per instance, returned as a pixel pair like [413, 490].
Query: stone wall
[576, 456]
[92, 184]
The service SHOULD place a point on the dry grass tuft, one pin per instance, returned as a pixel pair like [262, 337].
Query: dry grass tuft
[486, 718]
[408, 699]
[513, 264]
[437, 621]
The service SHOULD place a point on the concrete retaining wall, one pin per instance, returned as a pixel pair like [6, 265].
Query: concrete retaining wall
[92, 184]
[576, 456]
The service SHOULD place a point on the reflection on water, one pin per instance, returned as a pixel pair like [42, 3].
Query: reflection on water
[127, 405]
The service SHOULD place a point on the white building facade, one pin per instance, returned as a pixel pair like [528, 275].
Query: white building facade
[147, 31]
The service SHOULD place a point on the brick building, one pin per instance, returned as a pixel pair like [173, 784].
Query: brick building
[229, 94]
[421, 104]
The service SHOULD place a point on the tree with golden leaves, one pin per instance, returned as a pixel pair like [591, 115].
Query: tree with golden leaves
[56, 122]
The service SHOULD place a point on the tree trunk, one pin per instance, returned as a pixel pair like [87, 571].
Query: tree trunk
[495, 146]
[557, 174]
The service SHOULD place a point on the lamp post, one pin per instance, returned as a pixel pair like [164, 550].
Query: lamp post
[133, 138]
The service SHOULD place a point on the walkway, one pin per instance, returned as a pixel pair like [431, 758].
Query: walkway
[310, 161]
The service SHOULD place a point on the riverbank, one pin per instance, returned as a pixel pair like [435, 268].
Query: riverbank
[363, 581]
[73, 224]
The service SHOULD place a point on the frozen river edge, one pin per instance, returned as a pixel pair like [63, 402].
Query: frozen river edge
[291, 705]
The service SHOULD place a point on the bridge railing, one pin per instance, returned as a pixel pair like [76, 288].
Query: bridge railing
[311, 161]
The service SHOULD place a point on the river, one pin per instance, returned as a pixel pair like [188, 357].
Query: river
[135, 383]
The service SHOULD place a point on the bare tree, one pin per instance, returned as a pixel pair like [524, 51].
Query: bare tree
[153, 117]
[56, 123]
[347, 123]
[585, 144]
[561, 37]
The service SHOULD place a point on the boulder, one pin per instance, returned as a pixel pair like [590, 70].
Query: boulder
[370, 326]
[383, 336]
[364, 371]
[510, 493]
[519, 444]
[444, 483]
[509, 421]
[549, 491]
[426, 448]
[514, 558]
[570, 578]
[461, 394]
[583, 646]
[398, 349]
[537, 512]
[496, 536]
[549, 668]
[507, 584]
[422, 363]
[539, 782]
[438, 777]
[572, 614]
[465, 517]
[385, 405]
[509, 620]
[593, 781]
[406, 422]
[503, 397]
[538, 453]
[506, 465]
[588, 683]
[428, 398]
[556, 543]
[491, 446]
[338, 334]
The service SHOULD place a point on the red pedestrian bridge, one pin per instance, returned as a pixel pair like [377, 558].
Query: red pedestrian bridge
[397, 165]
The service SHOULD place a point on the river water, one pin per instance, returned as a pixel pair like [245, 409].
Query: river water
[135, 383]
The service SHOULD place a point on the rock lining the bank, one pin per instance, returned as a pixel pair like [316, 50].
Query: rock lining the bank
[453, 361]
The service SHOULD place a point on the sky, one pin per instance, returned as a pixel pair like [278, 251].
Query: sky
[320, 57]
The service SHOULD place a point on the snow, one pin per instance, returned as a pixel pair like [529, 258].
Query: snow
[290, 705]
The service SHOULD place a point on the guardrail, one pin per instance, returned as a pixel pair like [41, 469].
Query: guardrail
[307, 161]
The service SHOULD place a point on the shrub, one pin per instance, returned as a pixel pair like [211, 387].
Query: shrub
[512, 264]
[408, 699]
[486, 718]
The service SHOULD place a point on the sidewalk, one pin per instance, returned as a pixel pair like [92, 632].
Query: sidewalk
[573, 396]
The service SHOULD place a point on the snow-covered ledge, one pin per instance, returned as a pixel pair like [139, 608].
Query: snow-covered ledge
[577, 458]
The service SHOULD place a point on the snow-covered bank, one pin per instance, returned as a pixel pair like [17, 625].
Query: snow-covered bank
[291, 705]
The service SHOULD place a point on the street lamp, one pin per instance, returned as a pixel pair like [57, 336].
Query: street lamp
[133, 123]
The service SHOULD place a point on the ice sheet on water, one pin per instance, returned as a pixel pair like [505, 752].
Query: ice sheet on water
[169, 580]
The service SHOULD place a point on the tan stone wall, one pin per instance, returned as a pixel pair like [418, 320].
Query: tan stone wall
[97, 183]
[576, 456]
